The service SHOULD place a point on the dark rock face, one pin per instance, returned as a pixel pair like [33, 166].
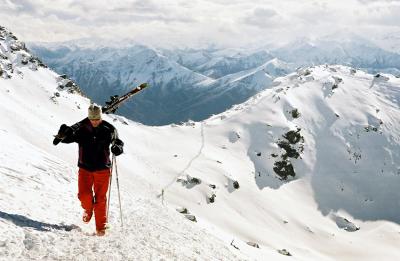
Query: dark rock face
[284, 169]
[293, 137]
[292, 146]
[211, 199]
[295, 113]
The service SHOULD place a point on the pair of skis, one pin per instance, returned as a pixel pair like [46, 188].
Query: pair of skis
[110, 107]
[115, 101]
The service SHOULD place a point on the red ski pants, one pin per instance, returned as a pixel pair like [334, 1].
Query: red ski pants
[92, 192]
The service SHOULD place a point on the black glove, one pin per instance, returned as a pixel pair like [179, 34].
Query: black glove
[118, 147]
[63, 132]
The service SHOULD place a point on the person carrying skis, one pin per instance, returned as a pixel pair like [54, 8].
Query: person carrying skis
[94, 137]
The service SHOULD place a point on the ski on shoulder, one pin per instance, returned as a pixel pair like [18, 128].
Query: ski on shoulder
[115, 101]
[110, 107]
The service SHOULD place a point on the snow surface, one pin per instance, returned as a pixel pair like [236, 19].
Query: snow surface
[342, 204]
[39, 208]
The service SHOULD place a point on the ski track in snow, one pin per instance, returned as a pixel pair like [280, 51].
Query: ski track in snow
[191, 160]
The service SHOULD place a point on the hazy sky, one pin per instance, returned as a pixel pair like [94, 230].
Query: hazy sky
[196, 23]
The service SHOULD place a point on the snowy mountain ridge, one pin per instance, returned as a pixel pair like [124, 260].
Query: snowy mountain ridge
[307, 168]
[107, 71]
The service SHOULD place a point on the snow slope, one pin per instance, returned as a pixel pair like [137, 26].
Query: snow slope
[336, 126]
[347, 173]
[39, 209]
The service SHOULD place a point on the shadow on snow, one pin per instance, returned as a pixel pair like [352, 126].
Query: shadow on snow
[22, 221]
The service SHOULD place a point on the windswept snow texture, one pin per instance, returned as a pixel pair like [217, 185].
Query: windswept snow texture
[308, 168]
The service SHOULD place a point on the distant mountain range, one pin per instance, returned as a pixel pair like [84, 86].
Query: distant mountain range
[197, 83]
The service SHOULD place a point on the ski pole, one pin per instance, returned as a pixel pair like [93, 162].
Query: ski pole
[109, 189]
[119, 196]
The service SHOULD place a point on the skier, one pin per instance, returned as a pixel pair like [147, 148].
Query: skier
[94, 137]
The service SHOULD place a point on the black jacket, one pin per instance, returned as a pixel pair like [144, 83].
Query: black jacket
[94, 144]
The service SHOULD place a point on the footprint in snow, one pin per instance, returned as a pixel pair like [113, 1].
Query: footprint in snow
[30, 241]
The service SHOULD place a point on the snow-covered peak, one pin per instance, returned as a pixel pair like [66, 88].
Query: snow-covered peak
[176, 79]
[258, 78]
[350, 50]
[277, 67]
[337, 106]
[15, 58]
[87, 43]
[325, 78]
[14, 54]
